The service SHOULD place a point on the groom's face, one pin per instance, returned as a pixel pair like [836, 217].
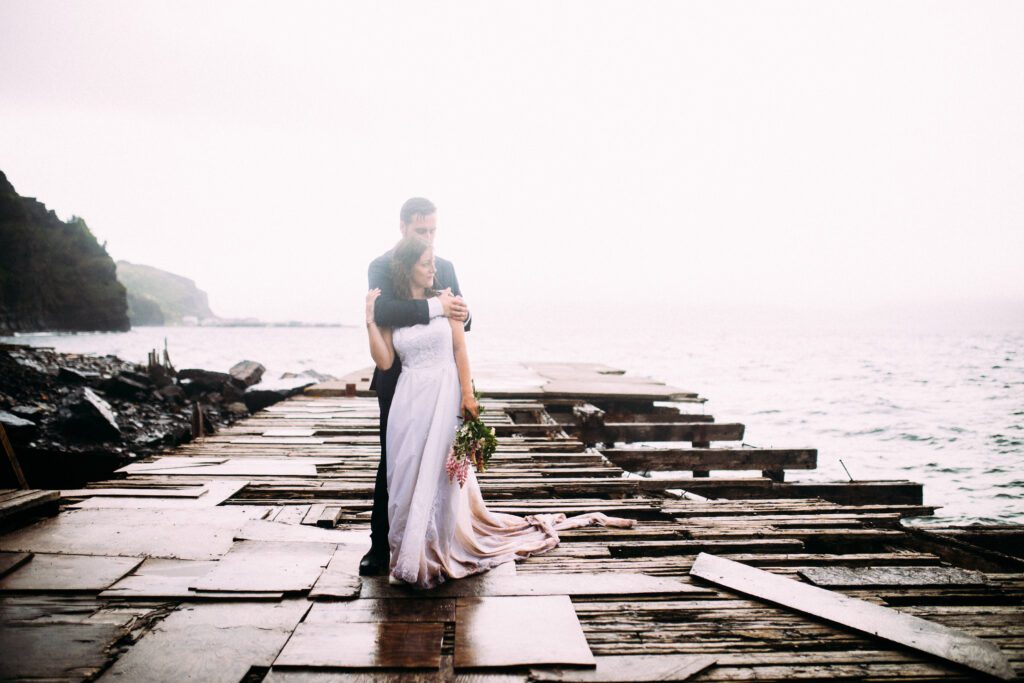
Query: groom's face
[424, 227]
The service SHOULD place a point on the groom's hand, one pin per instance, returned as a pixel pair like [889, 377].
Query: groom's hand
[454, 306]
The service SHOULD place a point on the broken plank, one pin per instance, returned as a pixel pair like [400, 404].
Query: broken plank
[935, 639]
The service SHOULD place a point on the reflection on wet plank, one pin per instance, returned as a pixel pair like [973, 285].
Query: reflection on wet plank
[518, 631]
[371, 611]
[390, 645]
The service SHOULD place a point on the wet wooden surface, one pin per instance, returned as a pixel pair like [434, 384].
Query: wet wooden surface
[299, 476]
[518, 631]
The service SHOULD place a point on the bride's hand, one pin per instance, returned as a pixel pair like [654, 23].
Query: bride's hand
[470, 408]
[371, 297]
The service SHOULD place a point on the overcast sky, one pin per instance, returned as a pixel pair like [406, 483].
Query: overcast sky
[813, 153]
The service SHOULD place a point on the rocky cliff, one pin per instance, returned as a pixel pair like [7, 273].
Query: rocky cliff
[54, 275]
[156, 297]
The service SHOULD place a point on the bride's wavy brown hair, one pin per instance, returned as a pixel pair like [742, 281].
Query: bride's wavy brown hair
[405, 255]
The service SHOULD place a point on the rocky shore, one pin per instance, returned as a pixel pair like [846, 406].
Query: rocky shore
[72, 418]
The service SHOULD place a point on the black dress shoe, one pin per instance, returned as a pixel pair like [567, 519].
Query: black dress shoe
[374, 563]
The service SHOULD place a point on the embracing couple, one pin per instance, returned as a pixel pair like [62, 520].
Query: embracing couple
[426, 528]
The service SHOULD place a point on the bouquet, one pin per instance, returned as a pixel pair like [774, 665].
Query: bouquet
[474, 444]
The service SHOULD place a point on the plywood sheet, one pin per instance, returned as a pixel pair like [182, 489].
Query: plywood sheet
[904, 629]
[54, 652]
[341, 580]
[261, 530]
[254, 566]
[211, 494]
[390, 645]
[160, 578]
[518, 631]
[373, 611]
[201, 534]
[631, 669]
[240, 635]
[62, 572]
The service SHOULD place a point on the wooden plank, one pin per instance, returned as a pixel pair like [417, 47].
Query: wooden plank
[60, 572]
[55, 651]
[27, 499]
[381, 611]
[631, 669]
[892, 576]
[340, 579]
[237, 635]
[11, 561]
[193, 534]
[161, 578]
[935, 639]
[576, 584]
[673, 431]
[254, 566]
[675, 459]
[388, 645]
[692, 547]
[533, 630]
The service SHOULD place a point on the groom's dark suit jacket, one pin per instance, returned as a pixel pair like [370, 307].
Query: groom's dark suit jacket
[390, 311]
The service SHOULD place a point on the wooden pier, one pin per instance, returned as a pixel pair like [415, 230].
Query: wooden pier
[234, 558]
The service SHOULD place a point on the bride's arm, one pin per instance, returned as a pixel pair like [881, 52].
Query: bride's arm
[462, 362]
[381, 348]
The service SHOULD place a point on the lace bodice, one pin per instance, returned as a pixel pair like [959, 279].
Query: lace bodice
[424, 346]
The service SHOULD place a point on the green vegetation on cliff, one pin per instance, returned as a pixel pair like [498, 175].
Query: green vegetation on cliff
[54, 275]
[156, 297]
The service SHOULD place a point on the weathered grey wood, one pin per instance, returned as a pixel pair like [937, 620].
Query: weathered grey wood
[260, 530]
[578, 584]
[253, 566]
[54, 652]
[935, 639]
[212, 493]
[631, 669]
[518, 631]
[692, 547]
[193, 534]
[27, 499]
[233, 637]
[389, 645]
[674, 459]
[340, 579]
[374, 611]
[892, 576]
[696, 432]
[161, 578]
[62, 572]
[11, 561]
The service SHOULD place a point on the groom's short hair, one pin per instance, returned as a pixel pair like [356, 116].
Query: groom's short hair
[416, 205]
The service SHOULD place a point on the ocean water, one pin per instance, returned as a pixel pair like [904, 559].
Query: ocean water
[942, 407]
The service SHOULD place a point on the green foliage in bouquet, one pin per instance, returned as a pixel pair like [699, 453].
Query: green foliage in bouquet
[474, 445]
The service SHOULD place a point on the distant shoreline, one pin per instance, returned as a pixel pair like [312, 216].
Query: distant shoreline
[43, 333]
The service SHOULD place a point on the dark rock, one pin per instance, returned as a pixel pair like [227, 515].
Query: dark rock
[121, 386]
[208, 379]
[91, 418]
[139, 377]
[269, 393]
[27, 412]
[238, 409]
[232, 393]
[18, 429]
[172, 393]
[72, 376]
[249, 372]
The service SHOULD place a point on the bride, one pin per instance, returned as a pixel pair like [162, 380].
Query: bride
[437, 529]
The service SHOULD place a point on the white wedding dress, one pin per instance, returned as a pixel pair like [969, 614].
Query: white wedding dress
[438, 530]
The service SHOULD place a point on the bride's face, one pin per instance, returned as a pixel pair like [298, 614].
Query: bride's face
[423, 271]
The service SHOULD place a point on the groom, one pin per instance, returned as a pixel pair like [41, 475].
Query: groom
[418, 218]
